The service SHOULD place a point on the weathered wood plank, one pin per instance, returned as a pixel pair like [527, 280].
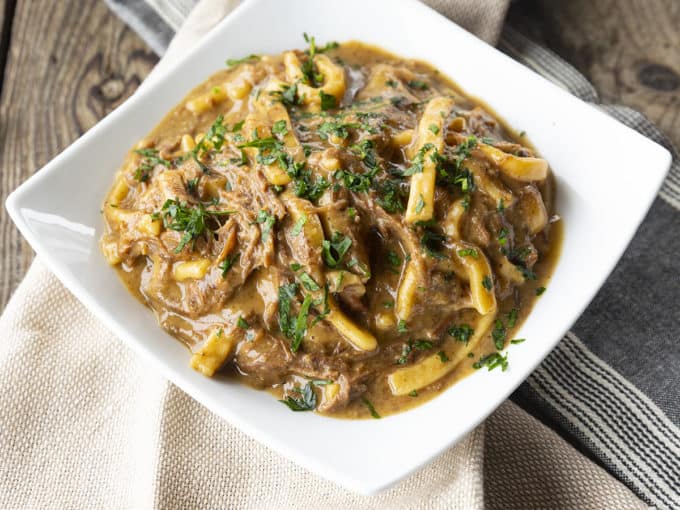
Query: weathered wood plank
[630, 50]
[69, 64]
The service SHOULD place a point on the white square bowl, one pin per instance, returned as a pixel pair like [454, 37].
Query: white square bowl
[607, 177]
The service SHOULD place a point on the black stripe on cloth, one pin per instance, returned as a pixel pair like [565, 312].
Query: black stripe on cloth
[559, 409]
[636, 398]
[618, 415]
[592, 415]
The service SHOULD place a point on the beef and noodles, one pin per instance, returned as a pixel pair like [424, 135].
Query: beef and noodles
[340, 226]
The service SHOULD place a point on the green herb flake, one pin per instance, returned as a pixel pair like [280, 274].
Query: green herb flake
[540, 291]
[280, 128]
[498, 335]
[305, 402]
[149, 160]
[503, 237]
[333, 251]
[517, 340]
[434, 128]
[492, 361]
[192, 220]
[420, 204]
[443, 357]
[422, 345]
[242, 323]
[468, 252]
[299, 224]
[418, 84]
[512, 317]
[301, 323]
[487, 283]
[267, 221]
[236, 61]
[286, 295]
[461, 332]
[401, 326]
[413, 393]
[370, 407]
[308, 282]
[227, 263]
[328, 102]
[393, 258]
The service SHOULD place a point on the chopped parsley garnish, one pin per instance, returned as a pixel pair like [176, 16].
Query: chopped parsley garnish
[227, 263]
[500, 208]
[308, 282]
[242, 323]
[328, 102]
[491, 361]
[503, 237]
[498, 335]
[280, 128]
[358, 183]
[149, 160]
[540, 291]
[461, 333]
[286, 295]
[238, 126]
[393, 258]
[193, 221]
[306, 400]
[336, 129]
[443, 357]
[391, 83]
[401, 326]
[420, 204]
[299, 224]
[413, 393]
[288, 95]
[370, 407]
[422, 345]
[192, 184]
[517, 340]
[487, 283]
[418, 161]
[518, 257]
[418, 84]
[512, 317]
[366, 153]
[213, 140]
[334, 250]
[267, 221]
[236, 61]
[469, 252]
[295, 266]
[301, 323]
[391, 196]
[434, 128]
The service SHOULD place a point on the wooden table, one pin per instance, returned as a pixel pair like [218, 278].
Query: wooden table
[66, 64]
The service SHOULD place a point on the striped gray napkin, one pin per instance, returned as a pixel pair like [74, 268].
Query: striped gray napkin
[612, 386]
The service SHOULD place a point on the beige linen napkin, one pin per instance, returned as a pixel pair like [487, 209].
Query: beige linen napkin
[84, 423]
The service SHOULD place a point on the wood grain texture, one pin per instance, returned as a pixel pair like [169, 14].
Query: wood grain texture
[69, 64]
[628, 49]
